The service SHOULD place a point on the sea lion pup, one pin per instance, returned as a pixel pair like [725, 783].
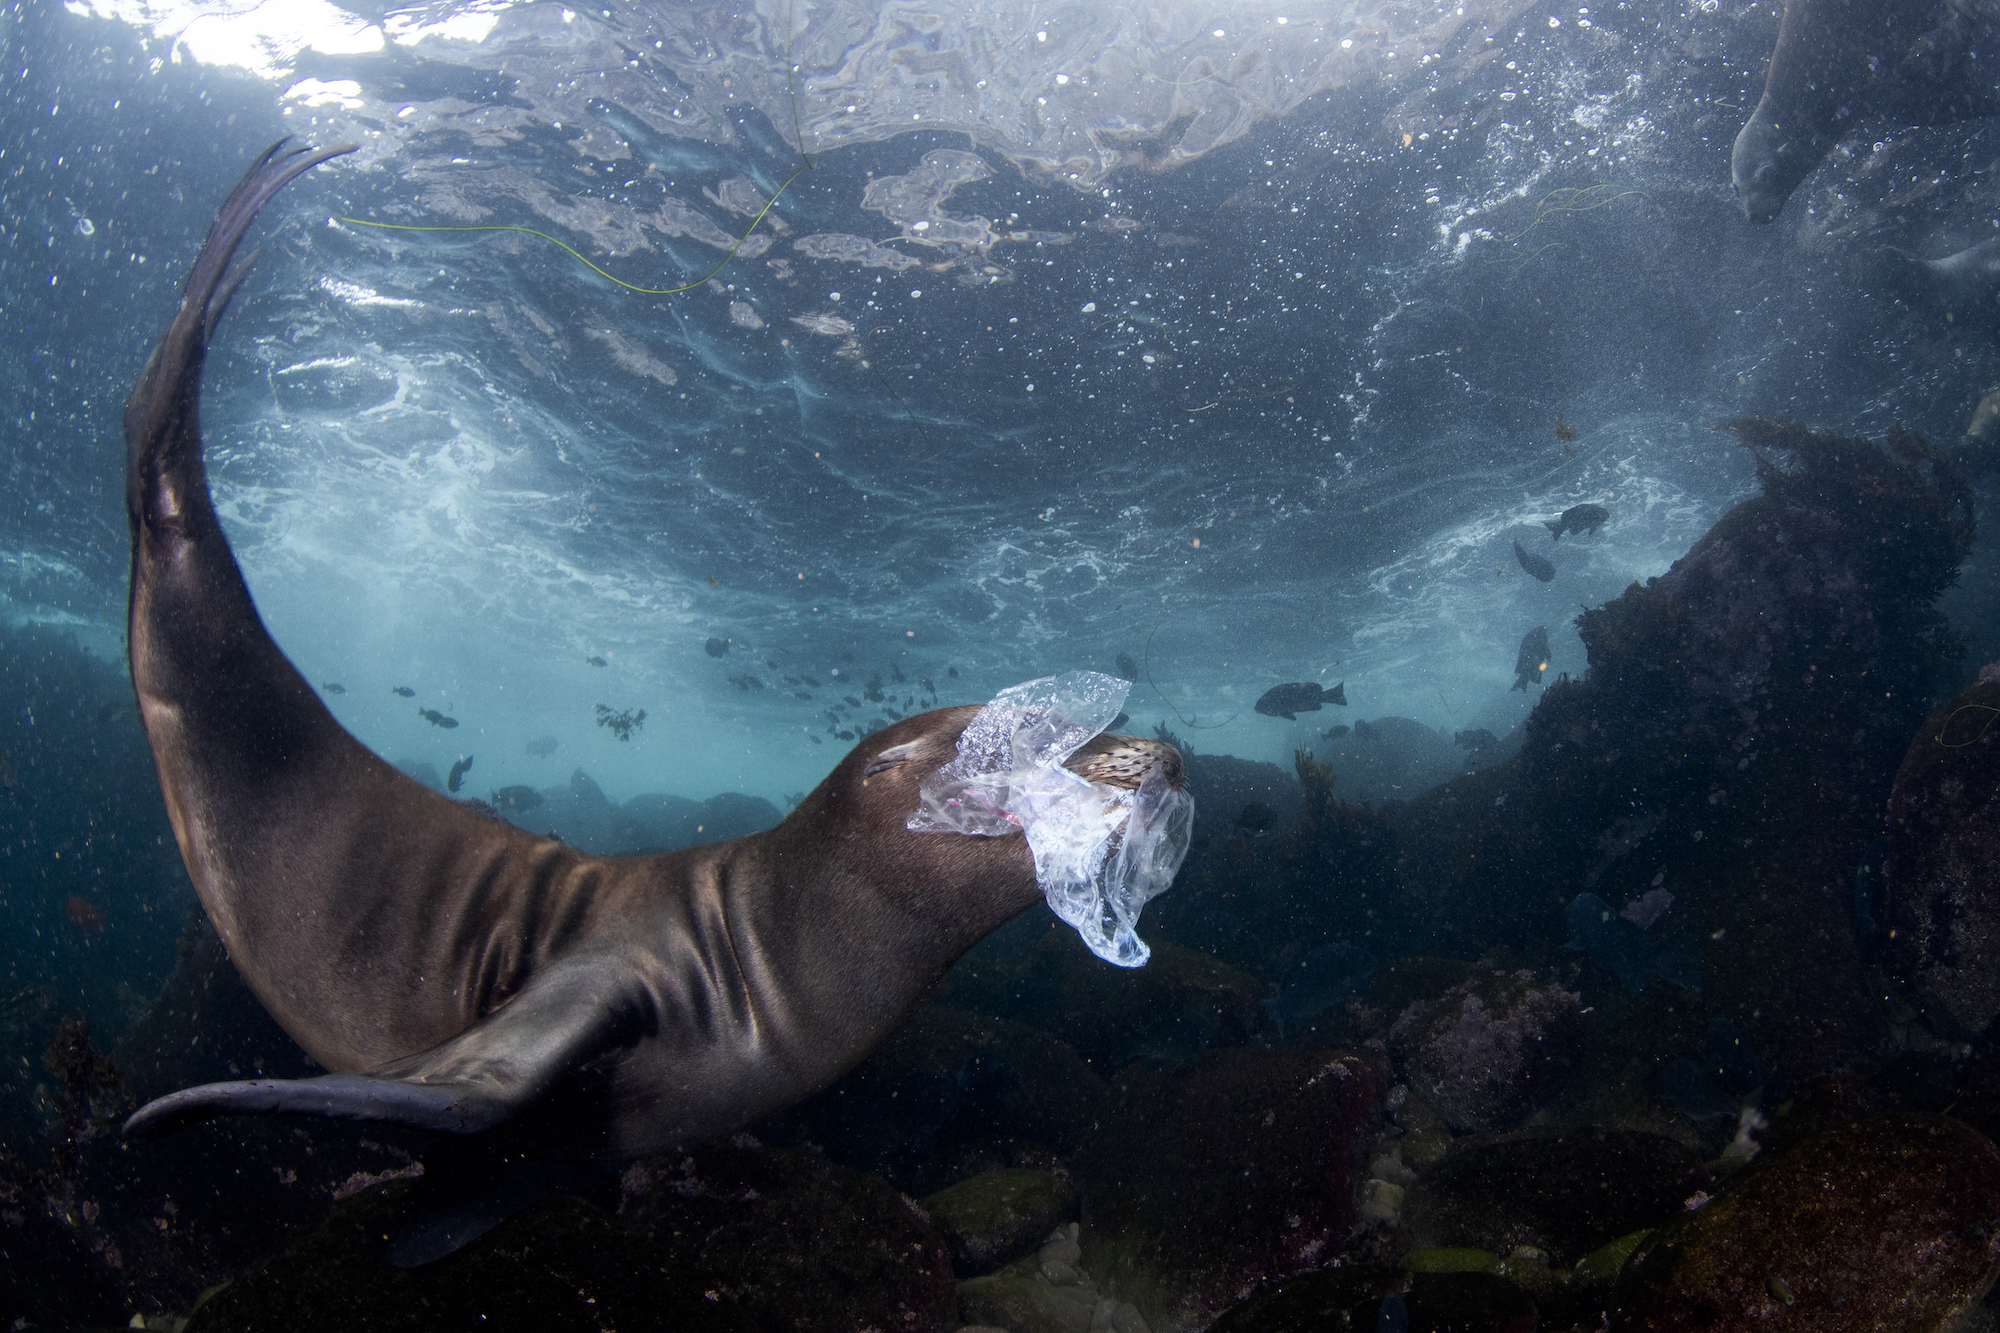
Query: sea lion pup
[462, 975]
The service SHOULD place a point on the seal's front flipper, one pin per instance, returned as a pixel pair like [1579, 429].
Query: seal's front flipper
[485, 1076]
[465, 1191]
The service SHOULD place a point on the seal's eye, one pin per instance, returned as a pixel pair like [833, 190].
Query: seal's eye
[890, 758]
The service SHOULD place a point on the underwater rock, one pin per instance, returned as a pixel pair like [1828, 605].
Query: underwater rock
[1261, 904]
[1180, 1003]
[1734, 743]
[997, 1216]
[1049, 1292]
[1884, 1223]
[1490, 1050]
[561, 1263]
[1563, 1194]
[794, 1242]
[1242, 1167]
[1223, 786]
[1619, 944]
[1389, 758]
[948, 1090]
[585, 818]
[1370, 1299]
[1324, 977]
[1944, 844]
[1719, 1085]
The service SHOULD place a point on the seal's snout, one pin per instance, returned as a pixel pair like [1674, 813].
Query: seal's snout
[1127, 761]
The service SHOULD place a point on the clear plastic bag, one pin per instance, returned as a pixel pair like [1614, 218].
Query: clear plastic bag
[1101, 853]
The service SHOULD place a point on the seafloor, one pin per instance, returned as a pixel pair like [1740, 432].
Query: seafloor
[1675, 1015]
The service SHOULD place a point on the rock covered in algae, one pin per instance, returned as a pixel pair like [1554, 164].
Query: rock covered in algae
[1944, 842]
[562, 1263]
[1048, 1292]
[950, 1094]
[997, 1216]
[1491, 1049]
[1242, 1167]
[1181, 1003]
[1367, 1299]
[1563, 1194]
[800, 1243]
[1892, 1222]
[730, 1237]
[1734, 744]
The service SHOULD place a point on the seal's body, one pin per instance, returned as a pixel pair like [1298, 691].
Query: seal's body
[1838, 63]
[460, 974]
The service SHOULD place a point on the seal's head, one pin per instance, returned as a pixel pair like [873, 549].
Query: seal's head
[1771, 160]
[866, 802]
[1127, 761]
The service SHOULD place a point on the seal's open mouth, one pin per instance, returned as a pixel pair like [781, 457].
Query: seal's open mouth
[1127, 761]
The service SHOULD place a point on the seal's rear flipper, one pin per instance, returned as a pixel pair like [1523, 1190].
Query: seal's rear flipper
[485, 1076]
[465, 1191]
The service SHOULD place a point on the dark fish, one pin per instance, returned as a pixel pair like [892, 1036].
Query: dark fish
[1578, 518]
[1119, 721]
[716, 647]
[85, 915]
[1304, 697]
[437, 719]
[458, 772]
[597, 661]
[1535, 565]
[1533, 659]
[1127, 667]
[405, 691]
[516, 799]
[1478, 740]
[543, 746]
[1564, 431]
[1335, 733]
[333, 687]
[852, 702]
[746, 681]
[952, 672]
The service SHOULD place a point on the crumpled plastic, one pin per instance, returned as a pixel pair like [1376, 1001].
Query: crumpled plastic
[1101, 853]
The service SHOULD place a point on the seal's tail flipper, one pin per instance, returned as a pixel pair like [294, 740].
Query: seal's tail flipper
[161, 411]
[485, 1076]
